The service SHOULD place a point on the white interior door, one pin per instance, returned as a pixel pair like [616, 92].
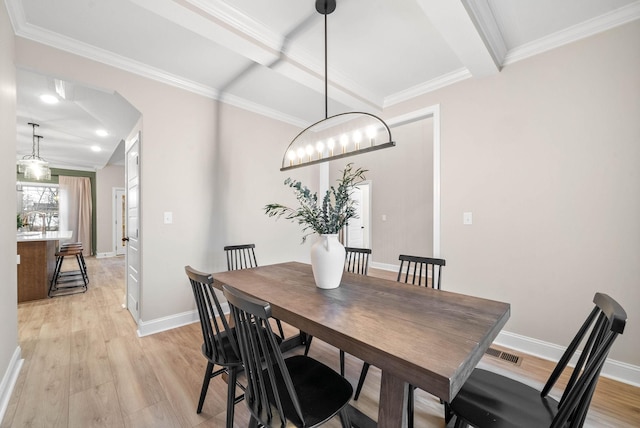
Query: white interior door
[133, 230]
[359, 230]
[120, 223]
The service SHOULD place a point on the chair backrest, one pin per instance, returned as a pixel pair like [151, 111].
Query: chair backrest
[416, 267]
[356, 260]
[606, 321]
[220, 343]
[263, 362]
[241, 256]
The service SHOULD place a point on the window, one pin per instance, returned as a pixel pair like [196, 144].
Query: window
[38, 206]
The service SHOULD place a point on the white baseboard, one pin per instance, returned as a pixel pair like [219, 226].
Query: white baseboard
[616, 370]
[146, 328]
[105, 255]
[384, 266]
[9, 380]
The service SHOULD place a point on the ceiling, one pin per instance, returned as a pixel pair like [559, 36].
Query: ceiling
[268, 57]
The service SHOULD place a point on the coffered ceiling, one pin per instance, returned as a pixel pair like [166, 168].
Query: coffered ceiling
[268, 56]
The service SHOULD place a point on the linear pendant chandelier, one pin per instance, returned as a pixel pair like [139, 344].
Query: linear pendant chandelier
[338, 136]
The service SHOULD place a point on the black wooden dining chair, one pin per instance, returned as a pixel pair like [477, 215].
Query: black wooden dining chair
[220, 345]
[416, 270]
[241, 256]
[356, 260]
[488, 399]
[298, 390]
[244, 257]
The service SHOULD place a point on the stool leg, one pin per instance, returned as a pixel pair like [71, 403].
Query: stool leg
[56, 274]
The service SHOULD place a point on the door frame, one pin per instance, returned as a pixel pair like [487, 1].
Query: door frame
[117, 239]
[135, 312]
[413, 116]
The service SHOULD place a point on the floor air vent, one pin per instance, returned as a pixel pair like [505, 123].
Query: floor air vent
[511, 358]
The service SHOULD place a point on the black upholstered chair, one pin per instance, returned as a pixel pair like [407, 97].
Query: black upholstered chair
[416, 270]
[244, 257]
[356, 260]
[488, 399]
[220, 346]
[296, 391]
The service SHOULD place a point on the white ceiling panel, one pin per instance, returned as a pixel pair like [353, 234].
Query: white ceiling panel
[268, 56]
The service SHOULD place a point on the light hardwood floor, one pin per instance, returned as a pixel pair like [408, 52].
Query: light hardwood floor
[84, 366]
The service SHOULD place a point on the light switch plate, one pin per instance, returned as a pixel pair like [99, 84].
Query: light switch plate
[168, 217]
[467, 218]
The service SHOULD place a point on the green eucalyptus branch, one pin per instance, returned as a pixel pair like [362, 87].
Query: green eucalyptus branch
[336, 209]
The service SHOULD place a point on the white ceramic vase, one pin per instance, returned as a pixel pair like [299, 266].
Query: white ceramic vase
[327, 261]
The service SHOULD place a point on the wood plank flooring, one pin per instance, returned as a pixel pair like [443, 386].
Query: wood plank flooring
[84, 366]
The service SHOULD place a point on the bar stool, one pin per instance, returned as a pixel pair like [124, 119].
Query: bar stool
[65, 282]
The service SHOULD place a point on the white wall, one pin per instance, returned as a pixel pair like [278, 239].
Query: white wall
[106, 179]
[8, 249]
[546, 155]
[201, 162]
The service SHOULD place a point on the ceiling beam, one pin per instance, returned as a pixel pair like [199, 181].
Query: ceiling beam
[226, 26]
[470, 30]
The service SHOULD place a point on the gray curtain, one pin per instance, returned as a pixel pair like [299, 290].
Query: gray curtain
[76, 209]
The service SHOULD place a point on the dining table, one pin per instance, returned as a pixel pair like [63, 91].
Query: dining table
[431, 339]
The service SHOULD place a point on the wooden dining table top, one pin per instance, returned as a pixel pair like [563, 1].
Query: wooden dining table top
[429, 338]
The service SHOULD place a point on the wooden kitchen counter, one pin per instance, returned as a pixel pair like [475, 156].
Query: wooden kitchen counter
[37, 253]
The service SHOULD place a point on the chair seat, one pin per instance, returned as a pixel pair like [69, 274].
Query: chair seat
[488, 399]
[230, 357]
[321, 391]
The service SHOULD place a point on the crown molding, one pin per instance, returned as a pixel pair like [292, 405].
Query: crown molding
[57, 41]
[577, 32]
[429, 86]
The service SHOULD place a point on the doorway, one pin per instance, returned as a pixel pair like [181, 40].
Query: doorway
[359, 228]
[405, 201]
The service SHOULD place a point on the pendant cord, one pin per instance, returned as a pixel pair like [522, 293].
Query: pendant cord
[326, 99]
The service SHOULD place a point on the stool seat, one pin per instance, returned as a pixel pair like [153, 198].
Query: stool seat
[73, 281]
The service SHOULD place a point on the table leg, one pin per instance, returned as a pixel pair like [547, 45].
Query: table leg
[394, 393]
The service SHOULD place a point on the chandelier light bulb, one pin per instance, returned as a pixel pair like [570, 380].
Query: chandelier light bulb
[331, 144]
[344, 140]
[357, 138]
[309, 151]
[320, 149]
[372, 132]
[300, 153]
[292, 156]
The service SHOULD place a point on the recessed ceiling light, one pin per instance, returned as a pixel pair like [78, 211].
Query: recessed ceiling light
[49, 99]
[96, 148]
[102, 133]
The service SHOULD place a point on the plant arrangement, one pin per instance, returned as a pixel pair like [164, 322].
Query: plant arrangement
[325, 217]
